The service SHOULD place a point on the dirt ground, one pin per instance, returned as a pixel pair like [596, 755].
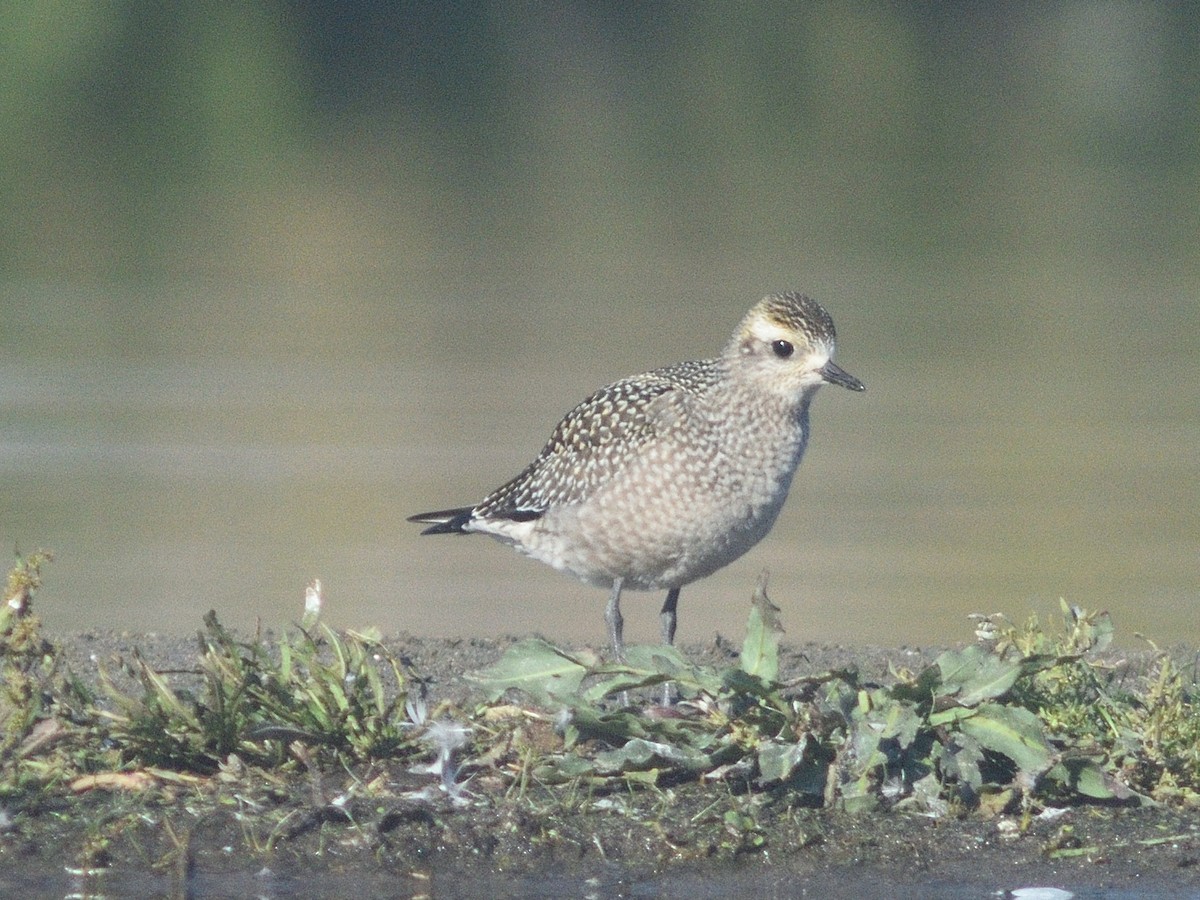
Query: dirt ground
[651, 843]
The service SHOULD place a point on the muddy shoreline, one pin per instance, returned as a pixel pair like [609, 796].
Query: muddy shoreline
[316, 836]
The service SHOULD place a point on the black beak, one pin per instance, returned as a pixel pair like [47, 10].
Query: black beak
[835, 374]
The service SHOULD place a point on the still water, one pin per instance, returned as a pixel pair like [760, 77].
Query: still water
[964, 480]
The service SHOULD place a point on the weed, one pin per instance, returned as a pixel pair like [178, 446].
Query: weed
[254, 698]
[29, 662]
[1029, 715]
[322, 729]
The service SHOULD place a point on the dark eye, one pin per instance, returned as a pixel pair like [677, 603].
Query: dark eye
[782, 349]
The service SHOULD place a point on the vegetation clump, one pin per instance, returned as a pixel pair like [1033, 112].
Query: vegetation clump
[318, 729]
[345, 696]
[1024, 716]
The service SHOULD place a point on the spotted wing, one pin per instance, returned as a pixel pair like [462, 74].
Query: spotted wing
[597, 439]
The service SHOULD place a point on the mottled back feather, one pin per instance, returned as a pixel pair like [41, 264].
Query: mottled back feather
[599, 437]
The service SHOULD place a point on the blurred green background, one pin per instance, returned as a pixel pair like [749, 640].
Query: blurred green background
[274, 276]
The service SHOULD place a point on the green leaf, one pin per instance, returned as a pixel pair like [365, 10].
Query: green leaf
[639, 754]
[536, 667]
[973, 675]
[760, 650]
[558, 768]
[645, 665]
[621, 681]
[656, 659]
[1092, 781]
[613, 726]
[919, 689]
[864, 740]
[891, 718]
[744, 686]
[777, 761]
[857, 797]
[950, 716]
[961, 759]
[375, 683]
[1011, 731]
[647, 777]
[1088, 777]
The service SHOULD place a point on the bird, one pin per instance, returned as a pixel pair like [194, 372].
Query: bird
[660, 479]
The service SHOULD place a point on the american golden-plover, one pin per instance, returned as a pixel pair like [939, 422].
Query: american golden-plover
[660, 479]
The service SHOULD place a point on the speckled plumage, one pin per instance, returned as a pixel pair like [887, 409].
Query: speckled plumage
[661, 479]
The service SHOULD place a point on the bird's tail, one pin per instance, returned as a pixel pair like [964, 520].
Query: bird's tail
[444, 521]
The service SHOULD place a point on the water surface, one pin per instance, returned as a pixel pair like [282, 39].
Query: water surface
[960, 482]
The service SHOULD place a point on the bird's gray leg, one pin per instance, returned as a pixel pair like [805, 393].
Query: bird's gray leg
[667, 618]
[616, 624]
